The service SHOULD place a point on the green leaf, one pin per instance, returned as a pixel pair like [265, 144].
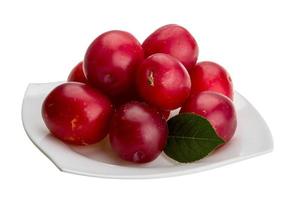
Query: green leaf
[191, 137]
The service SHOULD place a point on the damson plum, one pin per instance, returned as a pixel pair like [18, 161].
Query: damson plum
[76, 113]
[163, 81]
[216, 108]
[211, 76]
[174, 40]
[77, 74]
[138, 132]
[111, 61]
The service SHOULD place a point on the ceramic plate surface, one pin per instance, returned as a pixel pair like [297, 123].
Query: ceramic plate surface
[252, 138]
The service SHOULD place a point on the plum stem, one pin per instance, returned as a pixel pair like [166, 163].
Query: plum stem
[150, 79]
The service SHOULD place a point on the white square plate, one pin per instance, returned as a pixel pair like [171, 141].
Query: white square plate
[252, 138]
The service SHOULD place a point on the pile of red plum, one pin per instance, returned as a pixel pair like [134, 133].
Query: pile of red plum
[126, 90]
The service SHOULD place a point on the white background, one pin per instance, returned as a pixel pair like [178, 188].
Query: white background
[259, 42]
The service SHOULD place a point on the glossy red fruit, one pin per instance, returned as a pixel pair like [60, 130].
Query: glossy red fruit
[211, 76]
[138, 132]
[111, 61]
[163, 81]
[77, 74]
[217, 108]
[165, 113]
[76, 113]
[174, 40]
